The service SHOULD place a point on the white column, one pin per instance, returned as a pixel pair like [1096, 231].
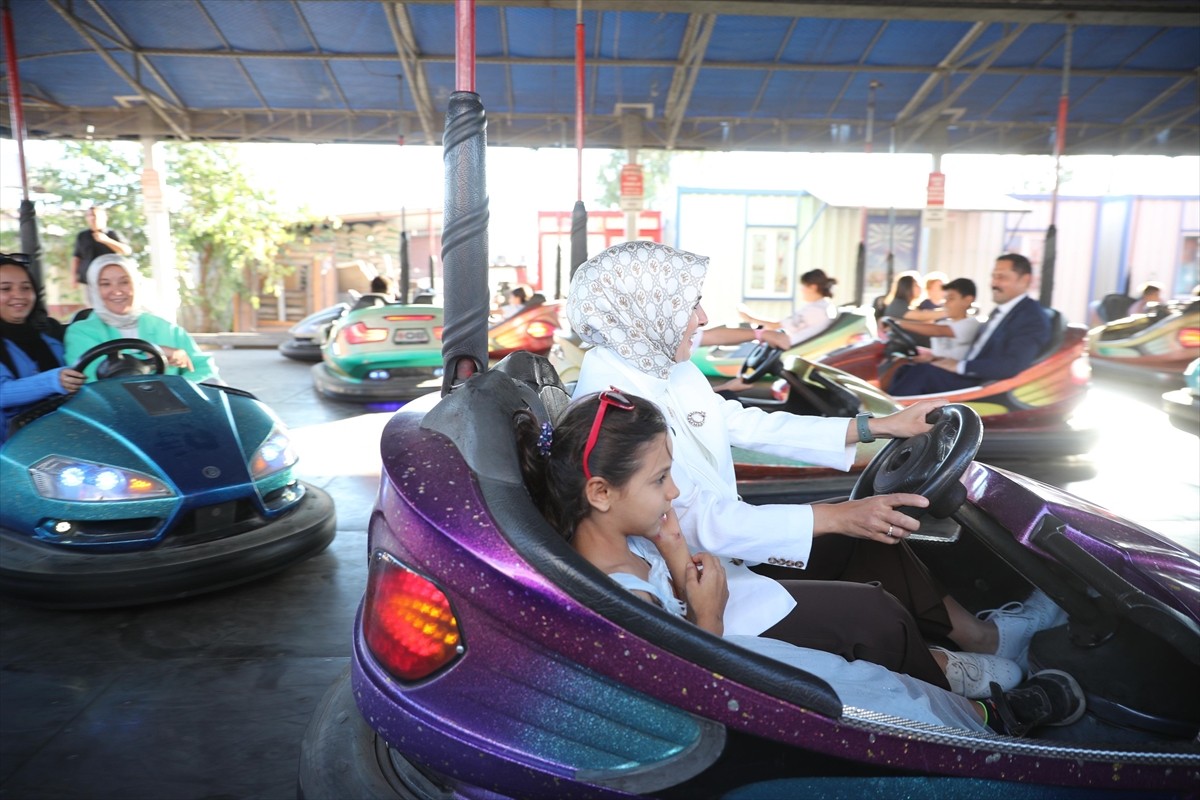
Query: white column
[158, 233]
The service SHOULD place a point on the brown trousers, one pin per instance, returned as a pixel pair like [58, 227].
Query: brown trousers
[863, 599]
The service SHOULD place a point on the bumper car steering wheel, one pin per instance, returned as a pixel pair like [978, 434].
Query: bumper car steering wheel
[930, 464]
[899, 341]
[761, 361]
[119, 364]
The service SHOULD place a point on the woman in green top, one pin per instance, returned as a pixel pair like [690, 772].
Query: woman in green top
[112, 285]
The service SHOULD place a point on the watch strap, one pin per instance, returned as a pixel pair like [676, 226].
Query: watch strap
[864, 430]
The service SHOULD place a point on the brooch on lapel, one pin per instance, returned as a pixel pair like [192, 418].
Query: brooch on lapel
[696, 418]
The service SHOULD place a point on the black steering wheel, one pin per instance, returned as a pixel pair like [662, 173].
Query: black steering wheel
[930, 464]
[120, 364]
[762, 360]
[899, 340]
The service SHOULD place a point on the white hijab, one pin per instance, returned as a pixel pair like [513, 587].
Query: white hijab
[635, 299]
[120, 321]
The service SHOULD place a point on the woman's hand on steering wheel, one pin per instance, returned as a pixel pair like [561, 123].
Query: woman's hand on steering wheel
[70, 379]
[178, 357]
[907, 422]
[877, 518]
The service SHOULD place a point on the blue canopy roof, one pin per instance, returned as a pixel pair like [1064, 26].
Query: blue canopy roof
[965, 76]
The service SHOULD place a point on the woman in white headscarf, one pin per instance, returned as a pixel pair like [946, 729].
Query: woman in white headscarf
[853, 588]
[112, 286]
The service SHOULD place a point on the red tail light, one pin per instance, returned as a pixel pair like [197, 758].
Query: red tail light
[437, 332]
[410, 317]
[539, 330]
[407, 621]
[1189, 337]
[359, 333]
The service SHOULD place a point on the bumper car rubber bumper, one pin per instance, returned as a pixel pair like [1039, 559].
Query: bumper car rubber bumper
[405, 387]
[301, 350]
[56, 577]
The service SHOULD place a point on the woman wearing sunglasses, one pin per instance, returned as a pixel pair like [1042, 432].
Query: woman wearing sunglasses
[638, 304]
[602, 478]
[31, 349]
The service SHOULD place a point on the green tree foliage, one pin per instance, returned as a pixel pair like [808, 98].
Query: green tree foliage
[227, 231]
[89, 173]
[656, 170]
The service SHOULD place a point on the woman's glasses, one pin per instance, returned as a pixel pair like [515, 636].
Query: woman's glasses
[611, 397]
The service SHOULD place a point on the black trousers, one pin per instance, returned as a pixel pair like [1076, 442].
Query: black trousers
[863, 599]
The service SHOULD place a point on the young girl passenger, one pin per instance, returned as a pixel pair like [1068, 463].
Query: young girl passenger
[602, 478]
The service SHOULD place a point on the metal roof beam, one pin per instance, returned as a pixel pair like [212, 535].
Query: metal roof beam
[410, 60]
[683, 82]
[142, 60]
[944, 68]
[610, 63]
[337, 87]
[1083, 12]
[927, 117]
[153, 101]
[225, 41]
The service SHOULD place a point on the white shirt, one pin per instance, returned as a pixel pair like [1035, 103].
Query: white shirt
[956, 346]
[713, 518]
[808, 320]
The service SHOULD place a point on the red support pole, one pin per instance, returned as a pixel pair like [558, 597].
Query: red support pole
[579, 101]
[17, 114]
[464, 50]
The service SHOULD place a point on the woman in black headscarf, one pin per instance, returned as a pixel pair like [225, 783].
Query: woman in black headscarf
[31, 350]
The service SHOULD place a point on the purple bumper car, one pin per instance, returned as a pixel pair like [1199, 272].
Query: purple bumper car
[489, 660]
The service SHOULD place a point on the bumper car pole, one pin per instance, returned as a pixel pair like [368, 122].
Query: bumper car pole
[465, 242]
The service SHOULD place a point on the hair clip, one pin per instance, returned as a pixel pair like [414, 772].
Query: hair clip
[545, 439]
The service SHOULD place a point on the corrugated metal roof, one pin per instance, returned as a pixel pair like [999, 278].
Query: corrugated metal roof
[965, 76]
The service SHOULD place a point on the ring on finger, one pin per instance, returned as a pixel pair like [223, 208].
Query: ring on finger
[890, 529]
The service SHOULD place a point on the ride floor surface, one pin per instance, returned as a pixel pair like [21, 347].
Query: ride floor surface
[209, 697]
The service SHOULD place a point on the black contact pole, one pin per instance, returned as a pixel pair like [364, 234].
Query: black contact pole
[558, 272]
[465, 240]
[579, 212]
[405, 277]
[30, 243]
[579, 224]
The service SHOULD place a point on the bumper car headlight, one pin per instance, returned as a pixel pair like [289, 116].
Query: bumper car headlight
[74, 479]
[274, 454]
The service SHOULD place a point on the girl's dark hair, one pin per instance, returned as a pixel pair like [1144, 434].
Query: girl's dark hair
[556, 481]
[906, 287]
[818, 278]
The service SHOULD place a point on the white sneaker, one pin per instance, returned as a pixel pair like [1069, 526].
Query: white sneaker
[971, 674]
[1016, 624]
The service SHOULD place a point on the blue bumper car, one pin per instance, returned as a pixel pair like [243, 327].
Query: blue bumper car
[145, 487]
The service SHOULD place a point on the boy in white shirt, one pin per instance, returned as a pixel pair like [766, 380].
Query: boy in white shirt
[952, 336]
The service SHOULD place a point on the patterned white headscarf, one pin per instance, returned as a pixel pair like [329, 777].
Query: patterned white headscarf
[128, 320]
[635, 299]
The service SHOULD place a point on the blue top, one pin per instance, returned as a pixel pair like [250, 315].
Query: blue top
[19, 392]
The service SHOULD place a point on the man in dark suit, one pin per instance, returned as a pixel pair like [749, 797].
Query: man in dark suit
[1016, 331]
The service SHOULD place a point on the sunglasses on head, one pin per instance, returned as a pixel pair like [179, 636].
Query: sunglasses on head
[611, 397]
[20, 259]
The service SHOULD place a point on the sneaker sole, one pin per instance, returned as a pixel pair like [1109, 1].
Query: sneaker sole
[1075, 688]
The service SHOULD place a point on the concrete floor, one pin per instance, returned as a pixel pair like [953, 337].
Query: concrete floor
[209, 697]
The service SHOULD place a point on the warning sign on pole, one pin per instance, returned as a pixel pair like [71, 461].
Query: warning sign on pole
[632, 191]
[935, 201]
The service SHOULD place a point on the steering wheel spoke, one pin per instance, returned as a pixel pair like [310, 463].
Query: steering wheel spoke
[763, 360]
[930, 464]
[899, 340]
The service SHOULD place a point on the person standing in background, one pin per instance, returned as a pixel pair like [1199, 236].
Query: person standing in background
[94, 242]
